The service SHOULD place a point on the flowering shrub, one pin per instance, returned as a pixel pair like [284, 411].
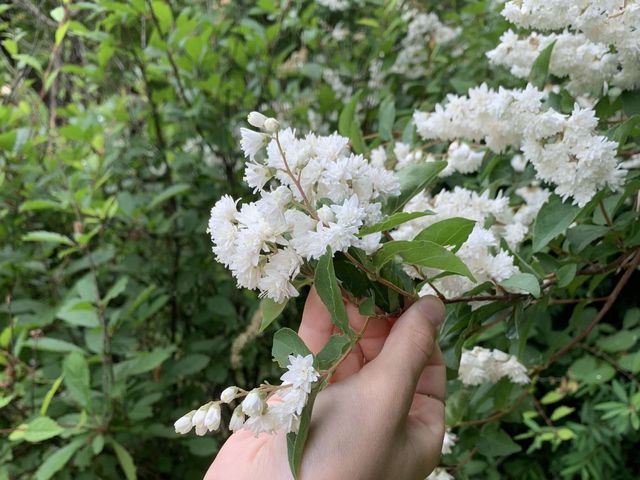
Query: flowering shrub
[483, 152]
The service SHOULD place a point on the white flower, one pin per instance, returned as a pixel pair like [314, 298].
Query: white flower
[252, 142]
[439, 474]
[198, 417]
[184, 425]
[300, 372]
[256, 119]
[480, 365]
[212, 418]
[229, 394]
[237, 419]
[253, 404]
[256, 175]
[271, 125]
[449, 441]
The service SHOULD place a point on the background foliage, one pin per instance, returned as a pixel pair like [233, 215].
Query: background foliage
[118, 131]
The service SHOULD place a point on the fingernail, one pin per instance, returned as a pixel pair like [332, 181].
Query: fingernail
[432, 308]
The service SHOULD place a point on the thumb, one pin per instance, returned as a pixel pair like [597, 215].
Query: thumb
[410, 344]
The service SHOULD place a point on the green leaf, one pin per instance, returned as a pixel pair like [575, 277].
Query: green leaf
[52, 345]
[77, 378]
[496, 443]
[287, 342]
[125, 460]
[55, 462]
[386, 118]
[619, 341]
[270, 312]
[163, 13]
[631, 102]
[296, 442]
[566, 274]
[348, 116]
[49, 237]
[553, 219]
[40, 205]
[327, 287]
[589, 370]
[170, 192]
[368, 306]
[561, 411]
[115, 290]
[452, 231]
[41, 428]
[332, 351]
[540, 68]
[391, 222]
[424, 254]
[79, 313]
[49, 396]
[522, 282]
[414, 179]
[4, 401]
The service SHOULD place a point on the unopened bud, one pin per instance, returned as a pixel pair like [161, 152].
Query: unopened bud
[256, 119]
[271, 125]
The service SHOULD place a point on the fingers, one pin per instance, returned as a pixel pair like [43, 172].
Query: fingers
[409, 348]
[375, 335]
[316, 326]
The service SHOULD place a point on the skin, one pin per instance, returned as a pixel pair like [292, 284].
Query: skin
[382, 416]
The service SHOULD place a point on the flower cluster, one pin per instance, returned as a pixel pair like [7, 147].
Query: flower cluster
[564, 149]
[481, 252]
[266, 409]
[481, 365]
[335, 5]
[321, 195]
[599, 27]
[588, 65]
[423, 28]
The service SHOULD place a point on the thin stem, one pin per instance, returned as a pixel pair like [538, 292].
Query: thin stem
[296, 181]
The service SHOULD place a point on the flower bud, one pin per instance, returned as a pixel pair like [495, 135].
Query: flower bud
[237, 419]
[271, 125]
[229, 394]
[256, 119]
[198, 417]
[183, 425]
[253, 404]
[201, 430]
[212, 418]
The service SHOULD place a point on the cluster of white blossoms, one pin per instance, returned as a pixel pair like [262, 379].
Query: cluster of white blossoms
[423, 29]
[606, 35]
[481, 252]
[266, 409]
[483, 365]
[565, 150]
[460, 157]
[335, 5]
[587, 65]
[314, 195]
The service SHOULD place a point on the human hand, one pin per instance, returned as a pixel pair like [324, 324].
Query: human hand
[382, 416]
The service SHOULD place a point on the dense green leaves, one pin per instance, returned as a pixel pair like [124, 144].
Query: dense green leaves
[391, 222]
